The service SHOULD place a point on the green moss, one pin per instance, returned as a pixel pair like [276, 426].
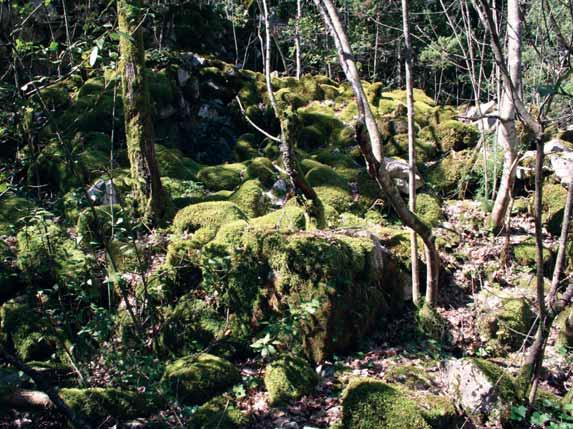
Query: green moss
[251, 198]
[189, 327]
[331, 188]
[245, 147]
[410, 376]
[289, 378]
[429, 209]
[371, 404]
[524, 254]
[98, 404]
[185, 192]
[161, 87]
[212, 214]
[311, 138]
[431, 323]
[222, 177]
[263, 169]
[172, 163]
[32, 337]
[455, 135]
[565, 336]
[509, 389]
[12, 210]
[449, 173]
[196, 379]
[554, 197]
[438, 411]
[219, 412]
[289, 218]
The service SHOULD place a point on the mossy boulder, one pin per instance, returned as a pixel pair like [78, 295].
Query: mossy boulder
[245, 147]
[372, 404]
[97, 403]
[428, 208]
[222, 177]
[196, 379]
[448, 174]
[455, 135]
[289, 378]
[251, 198]
[289, 218]
[482, 389]
[332, 189]
[27, 330]
[262, 168]
[209, 214]
[524, 255]
[219, 412]
[411, 377]
[174, 164]
[554, 197]
[189, 327]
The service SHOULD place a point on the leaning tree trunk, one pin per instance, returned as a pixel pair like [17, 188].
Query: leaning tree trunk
[150, 199]
[506, 135]
[372, 149]
[297, 39]
[411, 150]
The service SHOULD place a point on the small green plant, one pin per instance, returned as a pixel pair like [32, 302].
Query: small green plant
[549, 414]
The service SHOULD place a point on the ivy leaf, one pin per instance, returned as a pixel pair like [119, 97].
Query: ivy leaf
[518, 413]
[94, 55]
[540, 418]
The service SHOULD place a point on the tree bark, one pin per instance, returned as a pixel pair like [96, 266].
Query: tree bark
[372, 148]
[297, 45]
[408, 61]
[151, 201]
[506, 136]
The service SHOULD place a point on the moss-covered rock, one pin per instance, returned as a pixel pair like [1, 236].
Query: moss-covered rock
[219, 412]
[504, 326]
[428, 208]
[210, 214]
[251, 198]
[98, 403]
[371, 404]
[222, 177]
[289, 378]
[263, 169]
[196, 379]
[172, 163]
[410, 376]
[245, 147]
[289, 218]
[28, 332]
[189, 327]
[524, 254]
[565, 336]
[455, 135]
[554, 197]
[449, 173]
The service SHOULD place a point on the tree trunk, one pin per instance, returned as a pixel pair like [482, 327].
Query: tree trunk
[297, 39]
[506, 136]
[372, 149]
[411, 150]
[150, 199]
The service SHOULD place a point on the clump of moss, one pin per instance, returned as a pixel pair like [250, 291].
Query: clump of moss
[172, 163]
[189, 327]
[565, 337]
[371, 404]
[251, 198]
[431, 323]
[196, 379]
[12, 210]
[554, 197]
[222, 177]
[245, 147]
[410, 376]
[505, 329]
[210, 214]
[455, 135]
[289, 378]
[438, 411]
[289, 218]
[331, 188]
[447, 175]
[219, 412]
[429, 210]
[29, 333]
[524, 254]
[98, 403]
[262, 169]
